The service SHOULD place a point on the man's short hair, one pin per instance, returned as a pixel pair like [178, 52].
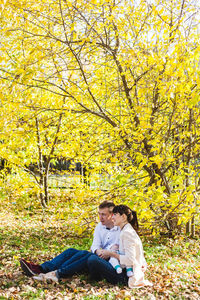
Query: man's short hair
[107, 204]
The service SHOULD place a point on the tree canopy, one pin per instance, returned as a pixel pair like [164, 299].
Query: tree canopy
[124, 78]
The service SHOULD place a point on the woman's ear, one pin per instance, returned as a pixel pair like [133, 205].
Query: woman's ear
[124, 217]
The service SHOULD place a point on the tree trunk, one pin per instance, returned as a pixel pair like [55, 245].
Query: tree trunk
[40, 166]
[42, 195]
[193, 227]
[188, 158]
[188, 227]
[46, 175]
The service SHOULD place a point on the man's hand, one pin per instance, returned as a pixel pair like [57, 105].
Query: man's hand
[105, 254]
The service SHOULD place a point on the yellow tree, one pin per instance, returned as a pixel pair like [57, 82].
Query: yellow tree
[132, 68]
[30, 137]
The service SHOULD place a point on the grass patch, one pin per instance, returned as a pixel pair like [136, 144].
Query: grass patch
[173, 264]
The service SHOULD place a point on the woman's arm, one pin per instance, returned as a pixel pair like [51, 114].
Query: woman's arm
[129, 249]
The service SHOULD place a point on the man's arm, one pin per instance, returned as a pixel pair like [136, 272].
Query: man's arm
[96, 244]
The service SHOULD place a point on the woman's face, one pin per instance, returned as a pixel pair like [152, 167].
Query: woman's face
[118, 219]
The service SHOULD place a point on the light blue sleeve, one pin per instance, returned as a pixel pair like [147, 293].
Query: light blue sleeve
[97, 243]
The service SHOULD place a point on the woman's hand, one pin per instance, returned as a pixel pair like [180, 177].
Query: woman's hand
[144, 267]
[114, 247]
[111, 254]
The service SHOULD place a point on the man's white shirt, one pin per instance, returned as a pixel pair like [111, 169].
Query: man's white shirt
[104, 238]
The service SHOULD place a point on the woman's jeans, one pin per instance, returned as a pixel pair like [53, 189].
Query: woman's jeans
[68, 263]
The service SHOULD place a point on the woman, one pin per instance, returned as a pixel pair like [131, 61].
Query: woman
[130, 246]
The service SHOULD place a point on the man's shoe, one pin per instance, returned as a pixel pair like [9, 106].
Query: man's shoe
[48, 277]
[30, 269]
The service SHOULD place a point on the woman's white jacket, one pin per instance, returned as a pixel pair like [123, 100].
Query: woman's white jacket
[130, 247]
[132, 255]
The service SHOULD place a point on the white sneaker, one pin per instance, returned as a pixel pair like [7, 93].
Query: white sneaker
[118, 270]
[129, 273]
[50, 276]
[39, 277]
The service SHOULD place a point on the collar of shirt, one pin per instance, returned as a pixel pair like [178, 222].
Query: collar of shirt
[115, 228]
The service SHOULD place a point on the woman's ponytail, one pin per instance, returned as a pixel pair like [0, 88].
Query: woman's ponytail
[134, 221]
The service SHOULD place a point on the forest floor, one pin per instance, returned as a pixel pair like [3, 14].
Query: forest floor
[173, 264]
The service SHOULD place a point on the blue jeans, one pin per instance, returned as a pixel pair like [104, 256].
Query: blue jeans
[68, 263]
[100, 268]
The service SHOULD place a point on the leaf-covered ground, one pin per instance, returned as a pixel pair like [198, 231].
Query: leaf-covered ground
[174, 264]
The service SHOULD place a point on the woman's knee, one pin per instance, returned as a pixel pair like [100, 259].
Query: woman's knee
[92, 260]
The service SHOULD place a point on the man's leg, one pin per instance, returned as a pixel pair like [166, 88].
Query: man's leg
[59, 260]
[31, 269]
[76, 264]
[101, 269]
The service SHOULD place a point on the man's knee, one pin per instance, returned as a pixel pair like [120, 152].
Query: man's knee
[83, 252]
[70, 251]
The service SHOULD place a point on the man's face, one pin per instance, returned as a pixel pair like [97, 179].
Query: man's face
[105, 216]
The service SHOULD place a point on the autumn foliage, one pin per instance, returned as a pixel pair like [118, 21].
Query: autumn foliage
[113, 85]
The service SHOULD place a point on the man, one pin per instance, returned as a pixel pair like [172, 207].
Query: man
[73, 261]
[105, 235]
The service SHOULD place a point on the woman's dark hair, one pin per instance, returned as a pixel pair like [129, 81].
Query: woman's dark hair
[131, 214]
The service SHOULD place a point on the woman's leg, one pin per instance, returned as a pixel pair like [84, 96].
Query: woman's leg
[101, 269]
